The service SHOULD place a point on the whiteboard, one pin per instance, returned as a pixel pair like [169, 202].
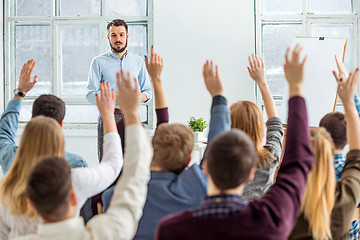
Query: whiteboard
[320, 85]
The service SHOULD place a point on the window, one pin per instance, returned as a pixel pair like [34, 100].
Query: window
[63, 36]
[278, 22]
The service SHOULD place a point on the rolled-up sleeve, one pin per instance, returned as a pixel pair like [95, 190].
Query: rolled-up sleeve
[94, 79]
[144, 82]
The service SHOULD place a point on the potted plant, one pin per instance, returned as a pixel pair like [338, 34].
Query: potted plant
[197, 126]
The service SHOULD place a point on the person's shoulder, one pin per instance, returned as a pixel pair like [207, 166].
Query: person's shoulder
[102, 57]
[194, 172]
[27, 237]
[75, 160]
[175, 219]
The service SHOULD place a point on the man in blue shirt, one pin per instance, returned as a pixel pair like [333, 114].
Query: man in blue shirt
[45, 105]
[106, 66]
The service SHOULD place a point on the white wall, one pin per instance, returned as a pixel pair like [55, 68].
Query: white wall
[77, 140]
[186, 33]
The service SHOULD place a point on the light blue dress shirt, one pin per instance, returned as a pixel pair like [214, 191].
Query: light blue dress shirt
[9, 123]
[104, 68]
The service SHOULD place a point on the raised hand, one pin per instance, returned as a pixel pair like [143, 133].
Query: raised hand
[25, 83]
[257, 73]
[155, 65]
[294, 71]
[128, 97]
[212, 79]
[106, 102]
[256, 69]
[343, 74]
[346, 91]
[347, 87]
[154, 68]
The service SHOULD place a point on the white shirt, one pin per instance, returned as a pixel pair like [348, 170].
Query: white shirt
[87, 181]
[121, 219]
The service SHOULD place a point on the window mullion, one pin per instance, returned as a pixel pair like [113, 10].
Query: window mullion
[304, 17]
[55, 9]
[103, 7]
[55, 59]
[11, 82]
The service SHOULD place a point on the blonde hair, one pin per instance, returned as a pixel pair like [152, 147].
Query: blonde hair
[319, 195]
[247, 117]
[42, 137]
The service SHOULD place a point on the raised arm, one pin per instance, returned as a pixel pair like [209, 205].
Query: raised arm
[256, 71]
[220, 113]
[346, 91]
[343, 74]
[125, 209]
[91, 181]
[106, 106]
[284, 197]
[10, 118]
[348, 188]
[220, 116]
[154, 68]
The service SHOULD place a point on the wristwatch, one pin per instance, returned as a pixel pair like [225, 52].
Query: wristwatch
[18, 92]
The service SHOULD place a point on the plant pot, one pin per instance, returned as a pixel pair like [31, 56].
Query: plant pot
[198, 136]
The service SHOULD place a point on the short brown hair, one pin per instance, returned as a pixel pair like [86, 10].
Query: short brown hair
[173, 144]
[50, 106]
[117, 23]
[230, 157]
[49, 187]
[335, 124]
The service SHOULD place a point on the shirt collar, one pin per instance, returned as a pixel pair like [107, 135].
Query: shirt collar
[116, 56]
[163, 175]
[223, 200]
[339, 158]
[53, 229]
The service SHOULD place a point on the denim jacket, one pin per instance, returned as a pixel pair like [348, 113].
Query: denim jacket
[9, 123]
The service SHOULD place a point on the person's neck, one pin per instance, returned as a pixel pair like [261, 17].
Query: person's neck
[46, 221]
[71, 213]
[214, 191]
[120, 55]
[338, 151]
[156, 169]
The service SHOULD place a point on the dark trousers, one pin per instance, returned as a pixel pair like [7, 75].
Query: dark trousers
[100, 138]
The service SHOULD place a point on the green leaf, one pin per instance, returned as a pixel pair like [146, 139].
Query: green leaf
[197, 125]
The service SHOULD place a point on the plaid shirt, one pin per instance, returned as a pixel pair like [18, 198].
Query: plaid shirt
[339, 163]
[218, 206]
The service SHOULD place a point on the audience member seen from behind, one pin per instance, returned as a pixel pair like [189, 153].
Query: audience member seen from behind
[247, 117]
[335, 221]
[43, 137]
[45, 105]
[172, 188]
[55, 199]
[230, 162]
[335, 124]
[319, 196]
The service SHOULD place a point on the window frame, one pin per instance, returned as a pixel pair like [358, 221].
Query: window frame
[56, 23]
[305, 18]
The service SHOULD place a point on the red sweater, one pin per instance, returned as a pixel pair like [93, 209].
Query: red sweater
[269, 217]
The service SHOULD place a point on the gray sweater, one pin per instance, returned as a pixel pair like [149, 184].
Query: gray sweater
[264, 176]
